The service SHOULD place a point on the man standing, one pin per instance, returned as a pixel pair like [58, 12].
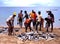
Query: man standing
[26, 15]
[20, 18]
[10, 23]
[33, 17]
[39, 19]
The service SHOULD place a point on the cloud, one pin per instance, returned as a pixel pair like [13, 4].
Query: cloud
[29, 3]
[19, 3]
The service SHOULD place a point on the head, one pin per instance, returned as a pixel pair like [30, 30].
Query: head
[33, 11]
[39, 12]
[48, 12]
[21, 11]
[14, 14]
[25, 12]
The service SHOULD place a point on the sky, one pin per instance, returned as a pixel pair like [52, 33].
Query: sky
[29, 3]
[7, 7]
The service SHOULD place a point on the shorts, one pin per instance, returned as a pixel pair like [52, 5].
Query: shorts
[20, 23]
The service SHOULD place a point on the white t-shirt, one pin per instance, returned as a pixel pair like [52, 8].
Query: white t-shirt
[10, 18]
[39, 17]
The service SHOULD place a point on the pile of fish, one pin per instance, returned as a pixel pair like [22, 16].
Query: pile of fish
[36, 36]
[32, 35]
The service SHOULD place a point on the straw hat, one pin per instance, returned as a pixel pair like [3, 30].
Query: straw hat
[14, 13]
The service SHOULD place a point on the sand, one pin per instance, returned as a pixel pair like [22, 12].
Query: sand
[5, 39]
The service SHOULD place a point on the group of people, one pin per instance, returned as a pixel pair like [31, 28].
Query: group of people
[32, 17]
[35, 19]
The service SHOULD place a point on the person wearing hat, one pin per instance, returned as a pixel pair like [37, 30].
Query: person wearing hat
[10, 23]
[50, 20]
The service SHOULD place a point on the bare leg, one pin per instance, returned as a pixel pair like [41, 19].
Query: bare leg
[51, 26]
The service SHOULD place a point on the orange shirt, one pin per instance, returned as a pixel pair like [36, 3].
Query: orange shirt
[27, 21]
[33, 16]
